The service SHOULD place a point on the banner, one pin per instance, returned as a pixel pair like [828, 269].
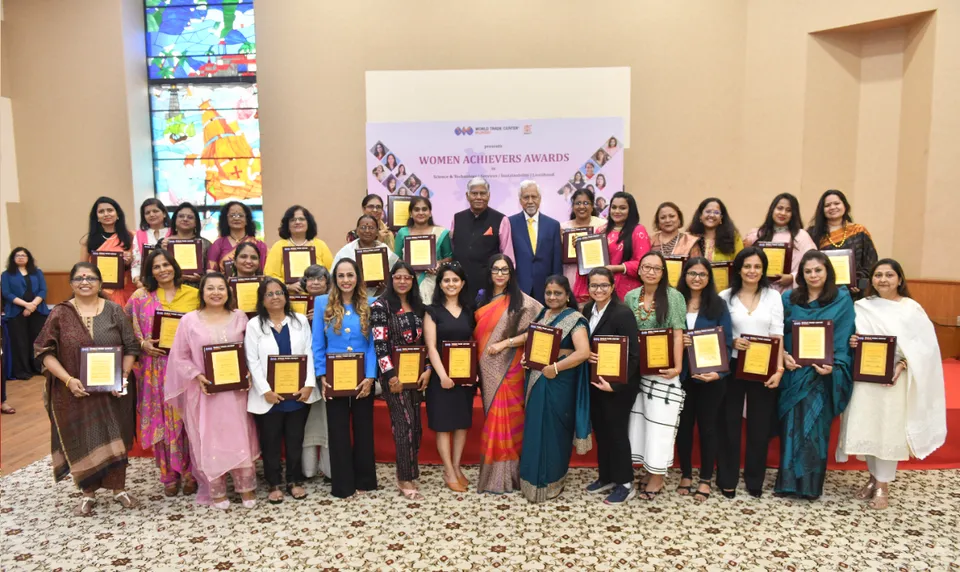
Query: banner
[437, 159]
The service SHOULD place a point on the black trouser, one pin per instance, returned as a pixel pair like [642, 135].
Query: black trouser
[353, 466]
[610, 417]
[761, 415]
[702, 406]
[23, 332]
[282, 428]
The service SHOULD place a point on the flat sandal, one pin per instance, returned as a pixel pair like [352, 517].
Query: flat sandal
[86, 507]
[126, 500]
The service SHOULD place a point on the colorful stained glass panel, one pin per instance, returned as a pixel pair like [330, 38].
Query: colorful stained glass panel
[201, 40]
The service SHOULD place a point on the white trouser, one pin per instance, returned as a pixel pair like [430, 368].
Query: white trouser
[881, 470]
[310, 456]
[653, 422]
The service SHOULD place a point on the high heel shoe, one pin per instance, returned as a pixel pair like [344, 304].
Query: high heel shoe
[464, 481]
[455, 486]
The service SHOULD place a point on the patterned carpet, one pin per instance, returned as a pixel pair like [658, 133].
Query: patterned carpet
[448, 531]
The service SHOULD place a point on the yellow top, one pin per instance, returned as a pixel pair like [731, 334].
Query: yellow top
[715, 256]
[187, 299]
[274, 265]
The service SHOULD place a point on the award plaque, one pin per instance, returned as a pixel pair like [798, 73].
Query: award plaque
[656, 350]
[778, 257]
[110, 265]
[844, 266]
[225, 366]
[409, 363]
[611, 359]
[301, 303]
[674, 268]
[228, 266]
[398, 211]
[296, 259]
[592, 253]
[100, 369]
[812, 342]
[542, 347]
[245, 293]
[873, 359]
[145, 250]
[708, 354]
[286, 375]
[420, 251]
[188, 253]
[570, 236]
[721, 275]
[759, 361]
[374, 264]
[344, 374]
[460, 361]
[165, 326]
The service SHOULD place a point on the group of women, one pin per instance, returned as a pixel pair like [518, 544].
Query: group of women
[532, 419]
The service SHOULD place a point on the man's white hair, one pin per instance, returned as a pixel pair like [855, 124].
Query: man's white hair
[478, 182]
[524, 185]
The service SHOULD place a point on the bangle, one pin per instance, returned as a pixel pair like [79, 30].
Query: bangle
[780, 370]
[67, 382]
[556, 370]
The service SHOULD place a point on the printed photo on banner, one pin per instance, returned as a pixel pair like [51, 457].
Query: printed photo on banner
[380, 173]
[577, 180]
[391, 184]
[379, 150]
[412, 183]
[589, 169]
[601, 182]
[390, 161]
[601, 157]
[612, 146]
[401, 170]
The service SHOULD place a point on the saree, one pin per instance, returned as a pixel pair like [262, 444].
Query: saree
[809, 402]
[160, 424]
[221, 252]
[557, 418]
[426, 280]
[570, 268]
[118, 297]
[853, 237]
[501, 384]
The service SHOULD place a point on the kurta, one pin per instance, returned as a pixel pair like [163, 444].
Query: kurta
[623, 281]
[426, 280]
[274, 264]
[801, 244]
[854, 237]
[221, 251]
[570, 268]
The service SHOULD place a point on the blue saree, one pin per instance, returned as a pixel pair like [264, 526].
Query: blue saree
[557, 418]
[809, 402]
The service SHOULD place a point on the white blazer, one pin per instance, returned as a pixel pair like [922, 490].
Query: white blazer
[260, 343]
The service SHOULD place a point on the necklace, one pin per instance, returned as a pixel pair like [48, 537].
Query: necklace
[777, 228]
[87, 320]
[667, 247]
[305, 241]
[642, 309]
[753, 302]
[842, 240]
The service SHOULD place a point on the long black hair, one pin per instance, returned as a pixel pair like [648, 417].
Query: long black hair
[146, 274]
[736, 281]
[241, 246]
[660, 299]
[12, 265]
[391, 297]
[416, 200]
[800, 294]
[216, 276]
[795, 225]
[197, 222]
[902, 289]
[633, 219]
[561, 281]
[463, 299]
[711, 305]
[263, 315]
[589, 195]
[143, 213]
[223, 225]
[725, 240]
[512, 289]
[95, 232]
[818, 225]
[284, 229]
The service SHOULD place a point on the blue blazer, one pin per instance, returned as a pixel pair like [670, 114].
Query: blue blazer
[351, 339]
[15, 286]
[533, 269]
[704, 322]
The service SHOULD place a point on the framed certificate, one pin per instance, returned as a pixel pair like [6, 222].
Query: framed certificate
[101, 369]
[674, 268]
[225, 367]
[420, 251]
[460, 361]
[721, 274]
[542, 347]
[296, 259]
[844, 266]
[374, 264]
[778, 257]
[165, 326]
[873, 359]
[592, 252]
[110, 265]
[344, 374]
[570, 236]
[708, 354]
[228, 267]
[398, 211]
[812, 342]
[188, 253]
[245, 293]
[301, 303]
[656, 350]
[145, 250]
[759, 361]
[409, 363]
[611, 359]
[286, 375]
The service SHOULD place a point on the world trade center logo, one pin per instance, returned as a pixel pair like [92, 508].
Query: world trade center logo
[463, 131]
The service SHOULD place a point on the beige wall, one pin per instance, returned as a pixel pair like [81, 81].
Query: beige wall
[727, 98]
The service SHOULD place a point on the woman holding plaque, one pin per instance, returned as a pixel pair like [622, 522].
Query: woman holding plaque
[90, 432]
[421, 223]
[297, 228]
[582, 215]
[373, 206]
[812, 395]
[669, 237]
[755, 309]
[341, 324]
[366, 238]
[833, 229]
[703, 393]
[449, 406]
[891, 423]
[24, 289]
[719, 240]
[278, 331]
[154, 225]
[504, 315]
[397, 319]
[246, 260]
[656, 412]
[222, 435]
[161, 427]
[784, 224]
[108, 233]
[235, 227]
[187, 226]
[557, 399]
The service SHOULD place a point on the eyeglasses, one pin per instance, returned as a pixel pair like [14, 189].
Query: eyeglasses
[82, 279]
[500, 271]
[605, 286]
[714, 213]
[377, 207]
[402, 278]
[185, 216]
[274, 294]
[298, 219]
[316, 279]
[236, 216]
[651, 269]
[699, 275]
[582, 204]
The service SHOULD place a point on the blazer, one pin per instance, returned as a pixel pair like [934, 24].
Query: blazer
[15, 286]
[705, 322]
[618, 320]
[350, 340]
[534, 269]
[258, 343]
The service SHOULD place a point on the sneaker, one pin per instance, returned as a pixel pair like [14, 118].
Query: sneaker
[597, 487]
[620, 494]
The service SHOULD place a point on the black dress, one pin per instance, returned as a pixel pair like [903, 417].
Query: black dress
[450, 409]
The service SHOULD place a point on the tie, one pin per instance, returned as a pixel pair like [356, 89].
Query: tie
[532, 231]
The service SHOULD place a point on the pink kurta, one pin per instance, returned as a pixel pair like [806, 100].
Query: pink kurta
[801, 244]
[623, 281]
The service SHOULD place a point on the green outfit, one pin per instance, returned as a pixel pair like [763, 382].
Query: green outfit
[426, 280]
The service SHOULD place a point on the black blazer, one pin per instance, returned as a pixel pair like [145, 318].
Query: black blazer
[618, 320]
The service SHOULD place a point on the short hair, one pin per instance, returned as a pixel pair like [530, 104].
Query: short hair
[528, 183]
[478, 182]
[215, 276]
[223, 224]
[315, 271]
[284, 230]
